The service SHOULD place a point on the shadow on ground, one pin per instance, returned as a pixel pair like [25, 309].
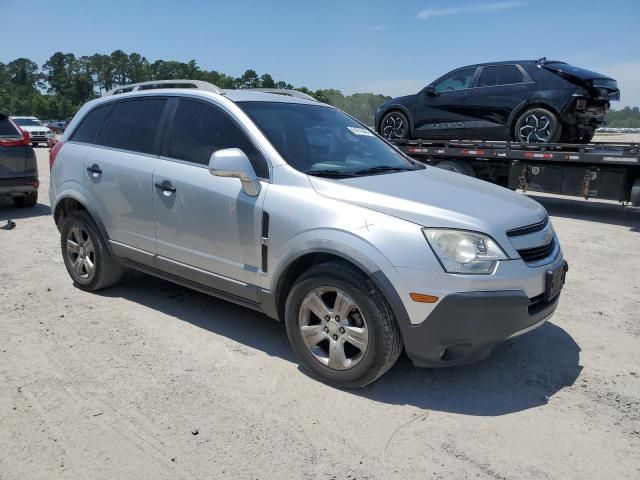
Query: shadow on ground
[523, 373]
[9, 212]
[591, 211]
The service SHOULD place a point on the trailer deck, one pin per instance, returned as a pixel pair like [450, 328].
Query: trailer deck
[594, 170]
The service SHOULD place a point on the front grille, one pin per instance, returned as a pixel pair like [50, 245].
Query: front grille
[537, 253]
[536, 227]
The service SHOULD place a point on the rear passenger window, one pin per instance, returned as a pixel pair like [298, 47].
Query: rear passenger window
[133, 124]
[199, 130]
[6, 129]
[499, 75]
[90, 126]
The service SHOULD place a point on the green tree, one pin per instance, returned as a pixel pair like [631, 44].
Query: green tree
[249, 79]
[266, 81]
[23, 71]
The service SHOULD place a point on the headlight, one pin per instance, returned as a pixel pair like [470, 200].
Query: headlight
[464, 252]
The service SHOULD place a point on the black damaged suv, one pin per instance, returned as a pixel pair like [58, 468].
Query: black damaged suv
[532, 101]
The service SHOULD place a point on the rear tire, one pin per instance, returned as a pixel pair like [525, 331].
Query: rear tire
[27, 201]
[458, 166]
[85, 253]
[367, 337]
[537, 125]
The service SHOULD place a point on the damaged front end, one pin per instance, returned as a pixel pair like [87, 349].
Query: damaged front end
[590, 102]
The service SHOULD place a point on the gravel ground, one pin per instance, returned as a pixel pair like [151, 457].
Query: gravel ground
[148, 380]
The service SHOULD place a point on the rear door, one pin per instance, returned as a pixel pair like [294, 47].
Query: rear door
[119, 174]
[498, 91]
[13, 155]
[208, 229]
[441, 111]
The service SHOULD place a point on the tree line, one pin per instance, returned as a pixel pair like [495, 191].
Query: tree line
[628, 117]
[60, 86]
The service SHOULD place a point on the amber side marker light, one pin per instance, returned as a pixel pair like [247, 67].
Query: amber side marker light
[423, 298]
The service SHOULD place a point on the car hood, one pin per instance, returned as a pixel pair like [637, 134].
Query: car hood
[435, 197]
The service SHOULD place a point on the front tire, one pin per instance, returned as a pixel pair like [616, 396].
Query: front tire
[537, 125]
[395, 126]
[85, 253]
[340, 327]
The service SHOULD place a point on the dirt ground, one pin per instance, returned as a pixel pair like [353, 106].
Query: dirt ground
[148, 380]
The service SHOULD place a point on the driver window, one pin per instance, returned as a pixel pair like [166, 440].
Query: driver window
[457, 80]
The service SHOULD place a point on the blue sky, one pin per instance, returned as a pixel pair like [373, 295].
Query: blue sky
[391, 47]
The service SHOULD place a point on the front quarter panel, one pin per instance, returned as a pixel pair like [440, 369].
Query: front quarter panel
[303, 221]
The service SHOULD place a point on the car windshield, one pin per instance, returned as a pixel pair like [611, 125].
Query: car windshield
[323, 141]
[27, 122]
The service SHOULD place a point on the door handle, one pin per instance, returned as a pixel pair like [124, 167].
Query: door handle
[166, 187]
[94, 170]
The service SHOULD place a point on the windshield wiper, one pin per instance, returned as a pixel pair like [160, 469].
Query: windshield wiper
[383, 169]
[329, 173]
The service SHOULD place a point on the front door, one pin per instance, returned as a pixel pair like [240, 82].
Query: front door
[441, 110]
[208, 229]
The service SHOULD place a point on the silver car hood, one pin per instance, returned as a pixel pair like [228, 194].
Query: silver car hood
[434, 197]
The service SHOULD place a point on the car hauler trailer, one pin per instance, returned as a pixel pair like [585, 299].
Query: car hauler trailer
[596, 170]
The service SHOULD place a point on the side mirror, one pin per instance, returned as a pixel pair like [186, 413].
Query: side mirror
[232, 162]
[431, 91]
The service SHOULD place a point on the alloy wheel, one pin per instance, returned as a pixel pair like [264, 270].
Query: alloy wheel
[394, 125]
[536, 128]
[333, 328]
[81, 252]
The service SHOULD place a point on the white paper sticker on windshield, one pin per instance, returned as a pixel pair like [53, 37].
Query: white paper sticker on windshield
[361, 131]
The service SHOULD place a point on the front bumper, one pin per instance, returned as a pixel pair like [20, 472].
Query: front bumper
[466, 327]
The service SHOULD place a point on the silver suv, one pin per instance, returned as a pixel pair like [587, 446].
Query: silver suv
[293, 208]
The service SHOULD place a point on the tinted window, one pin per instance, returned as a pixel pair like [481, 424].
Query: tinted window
[28, 122]
[199, 130]
[313, 138]
[133, 124]
[499, 75]
[6, 129]
[456, 80]
[90, 126]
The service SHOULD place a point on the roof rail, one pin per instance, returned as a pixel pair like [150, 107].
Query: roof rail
[155, 84]
[284, 91]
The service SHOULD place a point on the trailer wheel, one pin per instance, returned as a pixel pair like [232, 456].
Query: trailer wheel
[635, 193]
[458, 166]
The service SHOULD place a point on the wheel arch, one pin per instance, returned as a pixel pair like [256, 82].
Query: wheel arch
[299, 263]
[527, 105]
[72, 202]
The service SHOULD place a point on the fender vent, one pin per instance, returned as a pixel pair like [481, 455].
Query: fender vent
[265, 240]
